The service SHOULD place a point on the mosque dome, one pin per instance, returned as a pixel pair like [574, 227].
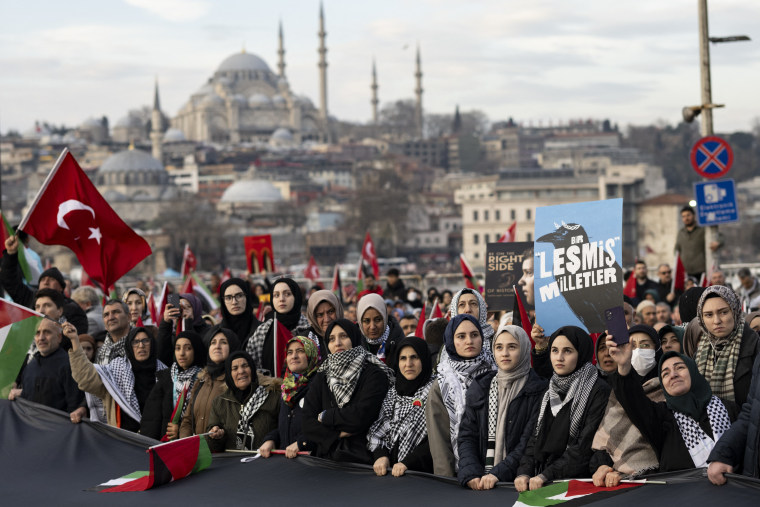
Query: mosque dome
[243, 61]
[251, 191]
[131, 161]
[212, 100]
[282, 134]
[279, 100]
[174, 136]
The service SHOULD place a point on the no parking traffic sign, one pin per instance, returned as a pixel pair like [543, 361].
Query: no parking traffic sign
[712, 157]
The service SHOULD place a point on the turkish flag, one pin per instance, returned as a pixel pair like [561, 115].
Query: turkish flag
[679, 275]
[189, 261]
[510, 235]
[312, 271]
[630, 287]
[69, 211]
[368, 254]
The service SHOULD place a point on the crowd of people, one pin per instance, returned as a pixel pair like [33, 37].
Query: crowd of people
[471, 396]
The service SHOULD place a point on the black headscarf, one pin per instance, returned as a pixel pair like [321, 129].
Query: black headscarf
[240, 395]
[214, 369]
[240, 324]
[199, 351]
[195, 303]
[144, 371]
[696, 400]
[687, 303]
[580, 340]
[406, 387]
[291, 318]
[448, 334]
[351, 329]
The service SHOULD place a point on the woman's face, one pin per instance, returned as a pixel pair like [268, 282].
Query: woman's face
[187, 309]
[234, 300]
[603, 358]
[718, 317]
[219, 348]
[506, 351]
[89, 350]
[241, 373]
[676, 379]
[670, 342]
[642, 341]
[136, 306]
[297, 359]
[755, 324]
[564, 357]
[184, 353]
[469, 304]
[467, 340]
[283, 298]
[324, 313]
[409, 363]
[338, 341]
[141, 346]
[372, 324]
[526, 282]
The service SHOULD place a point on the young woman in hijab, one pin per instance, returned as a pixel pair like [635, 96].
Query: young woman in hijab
[399, 436]
[464, 359]
[322, 308]
[247, 411]
[645, 343]
[380, 332]
[238, 309]
[302, 363]
[138, 306]
[682, 430]
[191, 312]
[125, 383]
[570, 412]
[345, 396]
[220, 343]
[500, 413]
[189, 358]
[723, 345]
[287, 300]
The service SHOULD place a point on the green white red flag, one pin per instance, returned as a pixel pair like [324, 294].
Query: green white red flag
[7, 232]
[17, 327]
[581, 492]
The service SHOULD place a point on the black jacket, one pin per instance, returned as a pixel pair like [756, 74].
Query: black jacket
[355, 417]
[656, 422]
[158, 407]
[473, 430]
[395, 291]
[47, 380]
[290, 424]
[574, 461]
[165, 335]
[395, 335]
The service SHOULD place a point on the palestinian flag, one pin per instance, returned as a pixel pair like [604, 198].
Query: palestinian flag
[168, 462]
[201, 290]
[420, 331]
[176, 416]
[337, 286]
[26, 270]
[520, 315]
[561, 492]
[469, 277]
[17, 327]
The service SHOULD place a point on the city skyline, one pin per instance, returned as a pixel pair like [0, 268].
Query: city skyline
[631, 62]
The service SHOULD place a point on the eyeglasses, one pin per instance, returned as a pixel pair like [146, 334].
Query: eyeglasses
[236, 297]
[665, 272]
[136, 343]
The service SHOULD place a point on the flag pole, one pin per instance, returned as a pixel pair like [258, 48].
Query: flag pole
[274, 335]
[177, 440]
[43, 188]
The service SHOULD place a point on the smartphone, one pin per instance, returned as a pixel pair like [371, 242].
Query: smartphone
[616, 324]
[173, 299]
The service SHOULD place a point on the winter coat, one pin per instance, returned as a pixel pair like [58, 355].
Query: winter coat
[355, 417]
[158, 407]
[205, 390]
[88, 380]
[165, 335]
[439, 434]
[473, 430]
[47, 380]
[290, 424]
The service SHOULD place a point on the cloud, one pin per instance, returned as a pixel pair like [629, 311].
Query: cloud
[177, 11]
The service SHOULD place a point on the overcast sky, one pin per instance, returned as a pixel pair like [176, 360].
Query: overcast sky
[633, 61]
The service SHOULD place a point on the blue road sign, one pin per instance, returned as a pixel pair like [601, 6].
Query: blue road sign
[716, 202]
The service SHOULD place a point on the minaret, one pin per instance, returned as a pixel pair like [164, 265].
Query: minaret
[374, 87]
[156, 136]
[418, 92]
[281, 54]
[323, 73]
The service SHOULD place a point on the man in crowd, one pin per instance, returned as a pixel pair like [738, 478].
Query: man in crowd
[643, 283]
[718, 277]
[690, 244]
[663, 313]
[665, 284]
[749, 292]
[117, 323]
[647, 313]
[370, 287]
[395, 288]
[88, 300]
[409, 324]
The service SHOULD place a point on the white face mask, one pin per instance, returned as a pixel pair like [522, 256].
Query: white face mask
[412, 296]
[643, 361]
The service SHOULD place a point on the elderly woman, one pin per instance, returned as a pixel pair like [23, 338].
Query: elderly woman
[570, 412]
[125, 383]
[302, 364]
[247, 411]
[322, 308]
[210, 383]
[345, 396]
[380, 332]
[465, 358]
[173, 385]
[287, 300]
[399, 436]
[500, 413]
[237, 309]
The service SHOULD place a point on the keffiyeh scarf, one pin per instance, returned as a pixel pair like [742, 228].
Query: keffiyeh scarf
[255, 346]
[245, 434]
[179, 378]
[576, 388]
[381, 341]
[119, 379]
[697, 442]
[342, 371]
[110, 350]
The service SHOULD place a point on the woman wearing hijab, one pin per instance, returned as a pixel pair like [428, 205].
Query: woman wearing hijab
[604, 362]
[570, 412]
[345, 396]
[247, 411]
[464, 359]
[172, 385]
[470, 301]
[287, 300]
[237, 309]
[683, 429]
[302, 363]
[138, 306]
[322, 308]
[645, 343]
[500, 413]
[125, 383]
[380, 333]
[220, 343]
[723, 345]
[191, 313]
[399, 436]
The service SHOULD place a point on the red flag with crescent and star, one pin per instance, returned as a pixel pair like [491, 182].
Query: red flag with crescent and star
[369, 256]
[69, 211]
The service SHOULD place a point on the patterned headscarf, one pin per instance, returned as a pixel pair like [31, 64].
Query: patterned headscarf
[186, 378]
[294, 382]
[482, 314]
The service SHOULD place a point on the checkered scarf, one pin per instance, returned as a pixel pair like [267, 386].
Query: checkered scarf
[402, 421]
[255, 345]
[179, 378]
[119, 379]
[576, 387]
[245, 434]
[342, 371]
[699, 444]
[110, 350]
[381, 341]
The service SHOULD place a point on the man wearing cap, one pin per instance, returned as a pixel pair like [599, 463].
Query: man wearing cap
[12, 281]
[690, 243]
[749, 292]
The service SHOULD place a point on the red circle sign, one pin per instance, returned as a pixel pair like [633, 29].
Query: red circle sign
[712, 157]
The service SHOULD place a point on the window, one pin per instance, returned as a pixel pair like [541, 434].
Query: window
[512, 214]
[486, 238]
[527, 214]
[485, 216]
[497, 215]
[475, 239]
[476, 255]
[530, 237]
[475, 215]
